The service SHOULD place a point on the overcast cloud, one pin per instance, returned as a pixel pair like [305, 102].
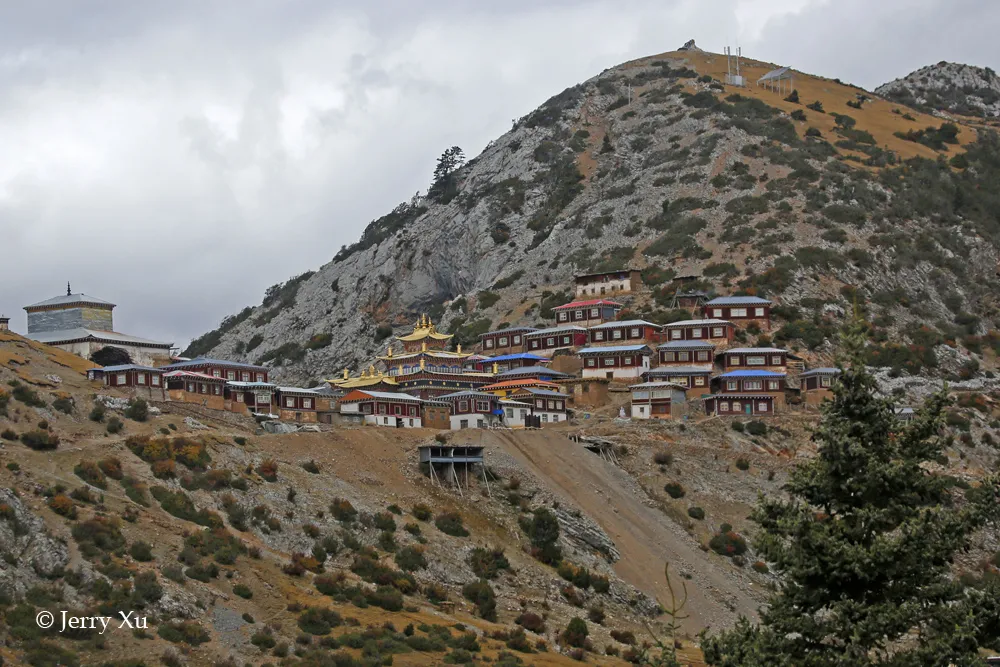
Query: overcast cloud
[177, 158]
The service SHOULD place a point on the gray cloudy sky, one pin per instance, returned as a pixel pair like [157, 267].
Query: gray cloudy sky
[179, 156]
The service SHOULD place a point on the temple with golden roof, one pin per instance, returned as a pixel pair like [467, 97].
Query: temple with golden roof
[372, 379]
[424, 336]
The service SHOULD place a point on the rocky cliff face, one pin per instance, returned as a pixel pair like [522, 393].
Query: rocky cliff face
[819, 200]
[951, 87]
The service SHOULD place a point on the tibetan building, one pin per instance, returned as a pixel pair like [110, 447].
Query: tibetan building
[615, 362]
[696, 381]
[746, 392]
[508, 387]
[424, 337]
[609, 282]
[547, 341]
[372, 379]
[548, 407]
[144, 381]
[687, 353]
[741, 310]
[305, 405]
[587, 313]
[84, 325]
[506, 362]
[717, 332]
[657, 400]
[378, 408]
[817, 384]
[625, 332]
[767, 358]
[218, 368]
[504, 341]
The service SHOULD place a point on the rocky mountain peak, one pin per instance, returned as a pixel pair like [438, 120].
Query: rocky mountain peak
[955, 88]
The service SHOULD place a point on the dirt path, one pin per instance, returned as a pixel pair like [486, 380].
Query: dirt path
[645, 537]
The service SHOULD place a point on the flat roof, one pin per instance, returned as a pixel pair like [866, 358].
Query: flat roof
[612, 349]
[685, 344]
[751, 350]
[554, 330]
[531, 370]
[125, 367]
[651, 385]
[205, 361]
[819, 371]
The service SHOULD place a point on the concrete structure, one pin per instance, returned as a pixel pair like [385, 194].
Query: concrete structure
[716, 332]
[450, 463]
[696, 381]
[547, 341]
[657, 400]
[379, 408]
[625, 332]
[504, 341]
[687, 353]
[609, 282]
[84, 325]
[816, 384]
[617, 362]
[4, 323]
[593, 311]
[740, 310]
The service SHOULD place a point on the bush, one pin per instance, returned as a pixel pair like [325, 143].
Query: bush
[756, 428]
[99, 535]
[738, 427]
[623, 636]
[760, 567]
[115, 425]
[63, 506]
[343, 511]
[531, 622]
[600, 583]
[674, 490]
[141, 551]
[384, 521]
[450, 523]
[421, 512]
[663, 458]
[64, 405]
[111, 467]
[8, 434]
[137, 410]
[728, 543]
[816, 106]
[480, 593]
[487, 563]
[91, 473]
[742, 464]
[317, 621]
[40, 440]
[543, 531]
[575, 633]
[696, 513]
[410, 558]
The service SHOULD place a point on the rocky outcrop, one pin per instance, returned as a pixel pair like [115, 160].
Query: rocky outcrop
[32, 553]
[950, 87]
[577, 526]
[689, 46]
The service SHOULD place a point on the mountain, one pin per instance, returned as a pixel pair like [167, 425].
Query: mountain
[820, 199]
[950, 87]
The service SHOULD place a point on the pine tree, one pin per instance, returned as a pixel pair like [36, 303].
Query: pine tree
[865, 545]
[444, 187]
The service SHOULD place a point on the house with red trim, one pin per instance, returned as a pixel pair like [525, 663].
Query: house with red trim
[506, 362]
[615, 362]
[592, 311]
[548, 406]
[624, 332]
[140, 380]
[657, 400]
[609, 282]
[740, 310]
[219, 368]
[717, 332]
[697, 381]
[379, 408]
[504, 341]
[755, 358]
[817, 384]
[746, 392]
[548, 341]
[687, 353]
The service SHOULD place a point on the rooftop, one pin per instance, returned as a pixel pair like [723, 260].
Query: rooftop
[738, 301]
[751, 374]
[520, 355]
[192, 376]
[126, 367]
[625, 323]
[554, 330]
[508, 330]
[364, 394]
[589, 302]
[531, 370]
[653, 385]
[466, 394]
[205, 361]
[70, 300]
[544, 392]
[614, 349]
[696, 323]
[625, 271]
[54, 337]
[685, 345]
[678, 370]
[820, 371]
[751, 350]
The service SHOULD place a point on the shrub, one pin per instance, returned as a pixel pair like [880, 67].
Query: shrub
[663, 458]
[575, 633]
[311, 466]
[696, 513]
[756, 428]
[8, 434]
[816, 106]
[384, 521]
[99, 535]
[531, 622]
[137, 410]
[738, 427]
[410, 558]
[487, 563]
[317, 621]
[421, 512]
[136, 491]
[64, 405]
[623, 636]
[115, 425]
[111, 467]
[600, 583]
[760, 567]
[728, 543]
[388, 598]
[180, 505]
[450, 523]
[742, 464]
[543, 531]
[343, 511]
[674, 490]
[596, 614]
[480, 593]
[91, 473]
[63, 506]
[40, 440]
[141, 551]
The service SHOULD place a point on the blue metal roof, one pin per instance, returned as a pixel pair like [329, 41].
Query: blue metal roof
[737, 301]
[751, 374]
[126, 367]
[625, 323]
[519, 355]
[613, 348]
[204, 361]
[678, 370]
[684, 344]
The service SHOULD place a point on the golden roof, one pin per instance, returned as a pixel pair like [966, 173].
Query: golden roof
[366, 379]
[431, 354]
[424, 328]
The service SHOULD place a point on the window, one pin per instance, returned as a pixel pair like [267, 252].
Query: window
[397, 409]
[552, 405]
[463, 423]
[566, 340]
[155, 380]
[723, 406]
[517, 340]
[737, 406]
[627, 361]
[551, 342]
[289, 402]
[679, 379]
[703, 356]
[463, 406]
[753, 385]
[772, 385]
[776, 360]
[717, 332]
[642, 410]
[307, 403]
[668, 356]
[540, 404]
[634, 333]
[731, 385]
[676, 334]
[524, 413]
[216, 373]
[482, 406]
[218, 389]
[762, 407]
[246, 376]
[202, 389]
[699, 382]
[609, 361]
[759, 312]
[824, 382]
[578, 315]
[555, 418]
[598, 335]
[488, 343]
[696, 332]
[260, 377]
[594, 312]
[191, 387]
[412, 410]
[411, 422]
[385, 421]
[545, 418]
[616, 334]
[480, 423]
[591, 362]
[737, 312]
[503, 341]
[716, 312]
[509, 412]
[756, 360]
[230, 375]
[121, 379]
[239, 398]
[682, 356]
[534, 345]
[381, 408]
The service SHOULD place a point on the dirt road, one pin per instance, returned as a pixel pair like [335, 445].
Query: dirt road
[644, 536]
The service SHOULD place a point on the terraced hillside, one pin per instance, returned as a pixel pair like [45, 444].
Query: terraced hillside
[830, 197]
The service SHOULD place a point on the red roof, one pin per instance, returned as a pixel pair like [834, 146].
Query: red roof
[592, 302]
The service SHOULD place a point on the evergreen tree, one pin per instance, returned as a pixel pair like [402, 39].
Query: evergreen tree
[865, 545]
[445, 186]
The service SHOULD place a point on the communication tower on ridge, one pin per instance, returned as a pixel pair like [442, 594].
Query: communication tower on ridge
[734, 76]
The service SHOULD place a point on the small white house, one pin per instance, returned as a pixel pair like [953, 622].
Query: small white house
[379, 408]
[657, 400]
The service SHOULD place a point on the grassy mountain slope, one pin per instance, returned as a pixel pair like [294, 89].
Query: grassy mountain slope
[836, 198]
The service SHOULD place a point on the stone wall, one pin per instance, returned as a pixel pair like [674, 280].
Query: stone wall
[71, 318]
